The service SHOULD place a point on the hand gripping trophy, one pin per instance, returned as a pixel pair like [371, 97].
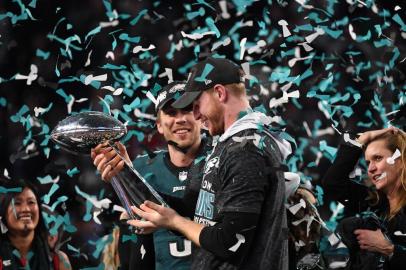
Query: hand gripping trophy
[81, 132]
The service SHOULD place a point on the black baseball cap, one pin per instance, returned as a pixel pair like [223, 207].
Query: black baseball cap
[169, 93]
[206, 74]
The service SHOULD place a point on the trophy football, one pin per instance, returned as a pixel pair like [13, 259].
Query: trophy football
[81, 132]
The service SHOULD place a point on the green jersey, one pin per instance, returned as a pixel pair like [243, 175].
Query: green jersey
[171, 251]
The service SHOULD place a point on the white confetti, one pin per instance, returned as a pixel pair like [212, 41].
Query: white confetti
[116, 92]
[197, 36]
[169, 73]
[356, 172]
[284, 99]
[258, 47]
[306, 46]
[399, 233]
[285, 30]
[217, 44]
[240, 241]
[108, 24]
[6, 174]
[141, 49]
[139, 114]
[224, 13]
[303, 4]
[110, 55]
[142, 251]
[311, 37]
[352, 33]
[242, 47]
[88, 58]
[90, 78]
[118, 208]
[3, 227]
[152, 98]
[30, 148]
[308, 219]
[333, 239]
[391, 160]
[292, 183]
[351, 141]
[247, 74]
[294, 208]
[32, 76]
[38, 111]
[96, 213]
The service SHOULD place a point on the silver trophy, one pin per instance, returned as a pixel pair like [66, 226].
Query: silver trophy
[81, 132]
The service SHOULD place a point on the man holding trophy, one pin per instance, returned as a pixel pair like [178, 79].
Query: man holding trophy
[167, 173]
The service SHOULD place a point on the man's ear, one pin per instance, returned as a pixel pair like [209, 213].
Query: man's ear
[221, 92]
[159, 125]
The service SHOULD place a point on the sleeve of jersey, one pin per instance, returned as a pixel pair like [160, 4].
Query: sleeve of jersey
[230, 238]
[135, 251]
[245, 181]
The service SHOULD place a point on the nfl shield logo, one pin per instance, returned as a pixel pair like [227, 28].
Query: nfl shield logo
[182, 176]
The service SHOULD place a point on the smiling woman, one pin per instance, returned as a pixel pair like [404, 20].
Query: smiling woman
[376, 238]
[23, 233]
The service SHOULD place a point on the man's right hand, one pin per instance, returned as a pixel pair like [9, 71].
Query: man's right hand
[107, 161]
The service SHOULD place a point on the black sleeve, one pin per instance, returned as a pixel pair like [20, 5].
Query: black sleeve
[135, 251]
[398, 260]
[336, 183]
[398, 238]
[230, 237]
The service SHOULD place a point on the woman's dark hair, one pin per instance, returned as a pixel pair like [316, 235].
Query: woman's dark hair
[12, 189]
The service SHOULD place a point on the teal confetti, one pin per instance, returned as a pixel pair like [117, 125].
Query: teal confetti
[3, 102]
[93, 32]
[44, 55]
[72, 172]
[399, 20]
[139, 16]
[134, 104]
[132, 237]
[9, 190]
[19, 115]
[47, 197]
[125, 37]
[212, 26]
[45, 180]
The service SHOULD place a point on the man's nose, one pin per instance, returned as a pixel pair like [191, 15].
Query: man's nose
[180, 117]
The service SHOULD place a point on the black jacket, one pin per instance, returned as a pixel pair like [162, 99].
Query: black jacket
[352, 195]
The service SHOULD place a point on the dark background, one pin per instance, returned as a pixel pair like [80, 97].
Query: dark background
[346, 83]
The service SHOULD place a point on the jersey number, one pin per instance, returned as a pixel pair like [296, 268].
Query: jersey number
[174, 249]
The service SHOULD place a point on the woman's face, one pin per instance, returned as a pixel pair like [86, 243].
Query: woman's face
[383, 171]
[23, 212]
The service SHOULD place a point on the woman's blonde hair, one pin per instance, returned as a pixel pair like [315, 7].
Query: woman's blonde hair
[110, 253]
[395, 142]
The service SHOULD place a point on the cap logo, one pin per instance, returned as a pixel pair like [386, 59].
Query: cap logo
[206, 82]
[161, 97]
[176, 88]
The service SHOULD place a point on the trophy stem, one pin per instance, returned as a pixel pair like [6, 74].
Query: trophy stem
[130, 166]
[122, 197]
